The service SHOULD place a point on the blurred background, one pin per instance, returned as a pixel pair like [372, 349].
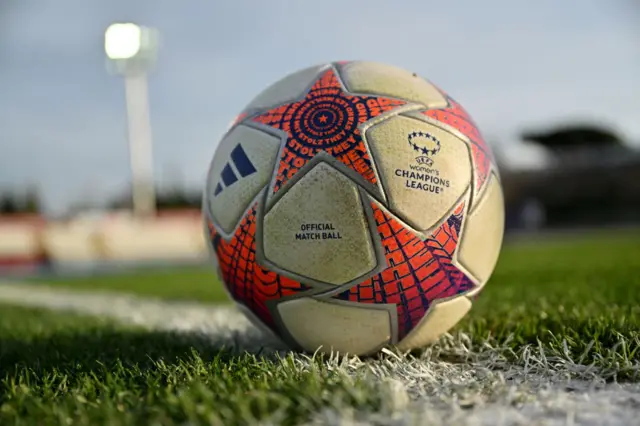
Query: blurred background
[554, 87]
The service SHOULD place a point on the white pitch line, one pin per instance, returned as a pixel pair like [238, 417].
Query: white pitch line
[485, 388]
[616, 406]
[223, 323]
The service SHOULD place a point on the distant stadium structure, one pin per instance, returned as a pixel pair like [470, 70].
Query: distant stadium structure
[581, 145]
[593, 179]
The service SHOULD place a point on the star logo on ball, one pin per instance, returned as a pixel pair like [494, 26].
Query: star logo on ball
[425, 143]
[326, 118]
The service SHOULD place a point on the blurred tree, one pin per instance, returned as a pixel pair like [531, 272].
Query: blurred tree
[27, 201]
[31, 200]
[8, 203]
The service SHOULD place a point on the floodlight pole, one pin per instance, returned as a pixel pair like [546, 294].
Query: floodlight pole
[140, 143]
[131, 52]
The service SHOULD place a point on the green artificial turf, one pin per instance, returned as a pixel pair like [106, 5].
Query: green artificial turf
[59, 368]
[576, 301]
[581, 293]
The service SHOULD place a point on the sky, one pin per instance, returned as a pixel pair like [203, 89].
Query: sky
[515, 65]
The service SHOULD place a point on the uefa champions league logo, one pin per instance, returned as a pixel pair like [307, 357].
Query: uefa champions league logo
[425, 144]
[423, 176]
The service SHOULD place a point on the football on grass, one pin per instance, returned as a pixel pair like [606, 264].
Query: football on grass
[353, 206]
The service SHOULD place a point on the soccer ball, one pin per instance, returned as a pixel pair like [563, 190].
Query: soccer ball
[353, 206]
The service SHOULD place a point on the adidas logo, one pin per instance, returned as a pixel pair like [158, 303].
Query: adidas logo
[242, 165]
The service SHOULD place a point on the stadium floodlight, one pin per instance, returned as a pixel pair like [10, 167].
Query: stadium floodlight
[122, 41]
[131, 52]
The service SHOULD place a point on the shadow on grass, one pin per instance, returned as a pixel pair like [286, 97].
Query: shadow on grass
[86, 350]
[96, 354]
[115, 376]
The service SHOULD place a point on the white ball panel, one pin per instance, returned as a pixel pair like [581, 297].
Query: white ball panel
[481, 238]
[423, 169]
[287, 89]
[318, 229]
[346, 328]
[442, 316]
[242, 166]
[386, 80]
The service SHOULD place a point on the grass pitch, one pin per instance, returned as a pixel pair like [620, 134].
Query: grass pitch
[555, 311]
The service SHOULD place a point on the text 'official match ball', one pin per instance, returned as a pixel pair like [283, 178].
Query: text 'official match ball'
[353, 206]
